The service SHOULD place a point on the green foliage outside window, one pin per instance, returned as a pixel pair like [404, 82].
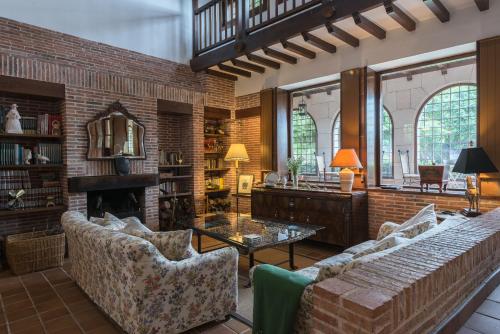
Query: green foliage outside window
[304, 140]
[446, 125]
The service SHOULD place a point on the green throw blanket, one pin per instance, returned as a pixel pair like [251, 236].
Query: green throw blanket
[276, 299]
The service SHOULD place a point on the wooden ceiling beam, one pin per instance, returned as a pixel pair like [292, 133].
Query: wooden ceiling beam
[483, 5]
[305, 20]
[368, 26]
[398, 15]
[342, 35]
[264, 61]
[235, 70]
[248, 66]
[300, 50]
[221, 74]
[279, 55]
[438, 9]
[319, 43]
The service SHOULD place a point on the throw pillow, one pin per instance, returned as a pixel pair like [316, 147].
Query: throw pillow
[133, 224]
[386, 229]
[333, 269]
[173, 245]
[416, 229]
[386, 243]
[426, 214]
[109, 221]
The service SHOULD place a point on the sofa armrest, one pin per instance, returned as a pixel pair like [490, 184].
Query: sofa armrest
[201, 288]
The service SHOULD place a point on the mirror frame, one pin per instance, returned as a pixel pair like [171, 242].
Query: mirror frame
[116, 107]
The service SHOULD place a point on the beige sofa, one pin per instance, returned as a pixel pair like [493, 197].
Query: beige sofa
[142, 290]
[391, 238]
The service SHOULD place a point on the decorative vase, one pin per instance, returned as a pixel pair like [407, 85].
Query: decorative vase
[295, 180]
[122, 166]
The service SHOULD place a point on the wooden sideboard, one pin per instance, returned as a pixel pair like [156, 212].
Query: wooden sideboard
[344, 215]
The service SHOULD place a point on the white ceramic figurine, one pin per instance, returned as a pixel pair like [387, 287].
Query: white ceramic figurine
[13, 124]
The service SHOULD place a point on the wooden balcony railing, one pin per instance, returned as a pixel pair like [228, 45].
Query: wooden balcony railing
[218, 22]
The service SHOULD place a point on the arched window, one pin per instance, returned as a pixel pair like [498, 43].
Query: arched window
[304, 140]
[387, 145]
[336, 135]
[446, 124]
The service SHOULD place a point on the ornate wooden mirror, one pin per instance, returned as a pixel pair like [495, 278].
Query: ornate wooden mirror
[115, 133]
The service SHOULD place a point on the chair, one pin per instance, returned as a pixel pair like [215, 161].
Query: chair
[320, 162]
[408, 177]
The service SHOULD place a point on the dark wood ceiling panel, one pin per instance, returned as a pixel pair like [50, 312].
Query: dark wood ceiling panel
[264, 61]
[300, 50]
[399, 16]
[248, 66]
[319, 43]
[235, 70]
[279, 55]
[438, 9]
[221, 74]
[483, 5]
[342, 35]
[368, 26]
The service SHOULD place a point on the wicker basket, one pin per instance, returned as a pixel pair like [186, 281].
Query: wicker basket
[34, 251]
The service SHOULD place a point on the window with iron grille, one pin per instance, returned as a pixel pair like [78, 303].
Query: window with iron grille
[304, 140]
[446, 124]
[387, 145]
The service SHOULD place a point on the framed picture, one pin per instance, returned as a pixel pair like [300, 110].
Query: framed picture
[245, 183]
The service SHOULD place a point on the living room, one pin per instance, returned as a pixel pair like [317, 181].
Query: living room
[237, 166]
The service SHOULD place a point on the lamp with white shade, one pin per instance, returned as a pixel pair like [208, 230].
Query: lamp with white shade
[237, 153]
[346, 158]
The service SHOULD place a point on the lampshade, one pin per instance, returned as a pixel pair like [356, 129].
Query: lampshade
[346, 158]
[474, 160]
[237, 152]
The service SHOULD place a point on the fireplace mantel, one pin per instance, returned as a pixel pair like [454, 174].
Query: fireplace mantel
[82, 184]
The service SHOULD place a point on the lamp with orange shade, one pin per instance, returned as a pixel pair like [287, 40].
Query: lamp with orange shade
[346, 158]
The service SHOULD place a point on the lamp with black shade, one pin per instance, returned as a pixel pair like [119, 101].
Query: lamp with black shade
[474, 160]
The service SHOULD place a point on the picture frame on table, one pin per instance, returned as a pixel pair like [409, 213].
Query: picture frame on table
[245, 183]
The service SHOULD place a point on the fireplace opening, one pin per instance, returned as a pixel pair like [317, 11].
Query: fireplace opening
[121, 203]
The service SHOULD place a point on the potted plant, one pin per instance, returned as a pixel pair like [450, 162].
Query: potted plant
[293, 165]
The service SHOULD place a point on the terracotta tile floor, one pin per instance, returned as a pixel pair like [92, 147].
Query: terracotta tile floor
[49, 302]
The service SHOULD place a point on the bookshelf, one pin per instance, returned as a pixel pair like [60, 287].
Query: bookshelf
[176, 190]
[216, 142]
[23, 157]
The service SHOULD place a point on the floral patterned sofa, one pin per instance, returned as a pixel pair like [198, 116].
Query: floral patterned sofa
[140, 289]
[391, 236]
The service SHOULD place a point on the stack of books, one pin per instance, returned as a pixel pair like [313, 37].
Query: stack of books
[46, 122]
[14, 179]
[15, 154]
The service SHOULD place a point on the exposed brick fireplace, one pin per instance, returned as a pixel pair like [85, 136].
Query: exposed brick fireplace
[122, 196]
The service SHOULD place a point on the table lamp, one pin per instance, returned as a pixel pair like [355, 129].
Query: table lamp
[237, 153]
[473, 160]
[346, 158]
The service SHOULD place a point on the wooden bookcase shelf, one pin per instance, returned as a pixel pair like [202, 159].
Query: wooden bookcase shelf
[28, 138]
[30, 211]
[217, 191]
[174, 166]
[216, 170]
[216, 135]
[165, 196]
[35, 167]
[176, 177]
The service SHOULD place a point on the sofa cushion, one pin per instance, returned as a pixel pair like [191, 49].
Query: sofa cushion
[426, 214]
[417, 229]
[310, 272]
[392, 240]
[332, 266]
[109, 221]
[360, 247]
[173, 245]
[134, 225]
[386, 229]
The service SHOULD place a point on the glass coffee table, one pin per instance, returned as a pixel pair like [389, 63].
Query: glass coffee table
[235, 230]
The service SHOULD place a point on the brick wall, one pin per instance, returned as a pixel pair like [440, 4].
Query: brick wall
[398, 206]
[96, 75]
[248, 133]
[410, 290]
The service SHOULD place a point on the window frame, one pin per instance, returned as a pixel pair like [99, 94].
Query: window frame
[426, 101]
[315, 141]
[381, 162]
[337, 118]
